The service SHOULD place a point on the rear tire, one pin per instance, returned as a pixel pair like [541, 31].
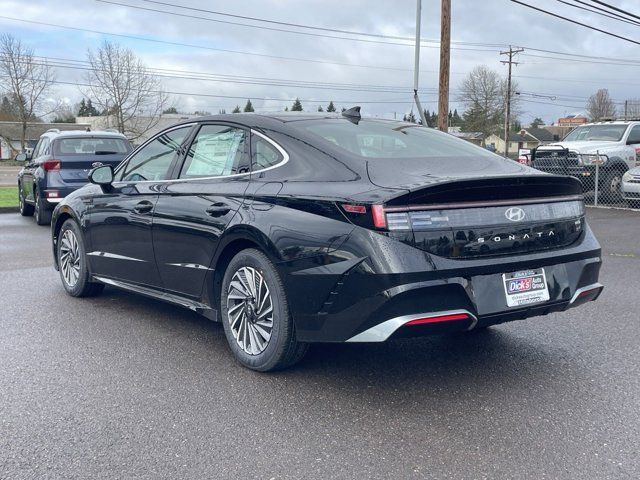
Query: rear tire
[255, 314]
[26, 210]
[72, 262]
[42, 212]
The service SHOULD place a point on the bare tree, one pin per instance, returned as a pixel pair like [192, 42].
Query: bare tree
[484, 93]
[121, 85]
[27, 81]
[601, 106]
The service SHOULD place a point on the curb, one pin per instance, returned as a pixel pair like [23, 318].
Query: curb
[15, 209]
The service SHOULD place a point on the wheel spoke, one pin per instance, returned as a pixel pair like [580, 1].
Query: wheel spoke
[250, 310]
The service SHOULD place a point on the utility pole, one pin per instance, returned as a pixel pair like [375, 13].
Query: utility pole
[507, 118]
[416, 71]
[445, 49]
[626, 109]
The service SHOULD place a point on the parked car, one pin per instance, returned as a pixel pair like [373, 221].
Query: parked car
[59, 165]
[614, 145]
[631, 187]
[293, 229]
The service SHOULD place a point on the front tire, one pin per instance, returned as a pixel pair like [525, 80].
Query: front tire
[72, 262]
[611, 186]
[26, 210]
[255, 314]
[42, 212]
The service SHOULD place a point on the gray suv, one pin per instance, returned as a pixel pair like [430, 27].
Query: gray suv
[59, 165]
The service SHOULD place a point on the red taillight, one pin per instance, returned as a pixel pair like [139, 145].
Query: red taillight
[379, 219]
[354, 208]
[49, 165]
[438, 319]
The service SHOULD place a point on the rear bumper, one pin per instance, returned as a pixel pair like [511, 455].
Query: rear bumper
[369, 298]
[630, 190]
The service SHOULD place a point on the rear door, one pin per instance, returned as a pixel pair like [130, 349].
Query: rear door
[78, 155]
[195, 209]
[120, 218]
[29, 172]
[634, 140]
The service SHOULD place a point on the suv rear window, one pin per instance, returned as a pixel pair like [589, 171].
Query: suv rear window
[91, 146]
[391, 140]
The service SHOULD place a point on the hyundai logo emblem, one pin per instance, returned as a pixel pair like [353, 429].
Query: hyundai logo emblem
[515, 214]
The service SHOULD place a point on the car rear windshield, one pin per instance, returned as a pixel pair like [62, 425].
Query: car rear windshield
[91, 146]
[588, 133]
[391, 140]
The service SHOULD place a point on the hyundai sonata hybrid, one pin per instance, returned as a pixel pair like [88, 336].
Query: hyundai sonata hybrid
[291, 229]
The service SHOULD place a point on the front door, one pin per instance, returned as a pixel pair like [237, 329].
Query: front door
[194, 211]
[120, 219]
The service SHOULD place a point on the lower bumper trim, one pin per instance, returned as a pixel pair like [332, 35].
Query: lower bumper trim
[384, 330]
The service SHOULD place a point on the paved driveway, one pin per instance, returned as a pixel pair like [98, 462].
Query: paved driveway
[121, 386]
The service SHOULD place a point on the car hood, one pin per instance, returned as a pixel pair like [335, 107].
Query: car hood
[415, 173]
[582, 147]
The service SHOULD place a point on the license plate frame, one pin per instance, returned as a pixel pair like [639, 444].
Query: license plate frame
[525, 287]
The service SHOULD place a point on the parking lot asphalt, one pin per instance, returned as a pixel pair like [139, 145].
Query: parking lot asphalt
[121, 386]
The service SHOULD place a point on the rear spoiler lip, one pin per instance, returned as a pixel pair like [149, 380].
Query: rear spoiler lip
[491, 203]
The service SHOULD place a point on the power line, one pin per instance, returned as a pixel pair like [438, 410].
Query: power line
[576, 22]
[612, 7]
[599, 11]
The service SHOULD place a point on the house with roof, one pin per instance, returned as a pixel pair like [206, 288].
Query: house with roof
[10, 133]
[528, 138]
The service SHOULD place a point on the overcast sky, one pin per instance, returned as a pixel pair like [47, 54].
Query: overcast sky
[498, 22]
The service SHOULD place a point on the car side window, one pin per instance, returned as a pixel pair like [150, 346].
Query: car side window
[153, 161]
[264, 154]
[634, 135]
[216, 151]
[36, 149]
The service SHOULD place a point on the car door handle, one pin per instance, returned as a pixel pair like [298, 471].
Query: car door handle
[143, 207]
[218, 209]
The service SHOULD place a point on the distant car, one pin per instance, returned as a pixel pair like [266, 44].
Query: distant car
[631, 187]
[615, 146]
[294, 229]
[59, 165]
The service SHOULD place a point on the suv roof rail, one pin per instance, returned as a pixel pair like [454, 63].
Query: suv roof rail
[53, 130]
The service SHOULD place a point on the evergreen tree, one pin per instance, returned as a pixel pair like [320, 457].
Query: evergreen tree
[427, 116]
[170, 110]
[286, 109]
[456, 120]
[331, 107]
[248, 107]
[297, 106]
[222, 111]
[537, 122]
[343, 110]
[434, 119]
[237, 109]
[82, 111]
[320, 109]
[91, 110]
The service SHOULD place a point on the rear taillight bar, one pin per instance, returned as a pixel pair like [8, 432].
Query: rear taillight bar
[438, 319]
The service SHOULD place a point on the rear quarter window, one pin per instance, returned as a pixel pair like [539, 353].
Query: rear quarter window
[91, 146]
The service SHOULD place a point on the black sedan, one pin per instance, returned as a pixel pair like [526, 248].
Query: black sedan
[293, 229]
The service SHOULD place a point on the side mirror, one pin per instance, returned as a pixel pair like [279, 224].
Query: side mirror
[22, 157]
[101, 175]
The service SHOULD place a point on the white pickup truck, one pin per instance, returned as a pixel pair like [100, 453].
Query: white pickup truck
[614, 145]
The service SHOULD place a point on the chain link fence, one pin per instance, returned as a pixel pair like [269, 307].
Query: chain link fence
[605, 183]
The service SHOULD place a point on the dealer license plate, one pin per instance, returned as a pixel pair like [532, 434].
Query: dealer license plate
[525, 287]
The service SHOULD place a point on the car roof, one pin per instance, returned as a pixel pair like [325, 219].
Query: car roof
[267, 120]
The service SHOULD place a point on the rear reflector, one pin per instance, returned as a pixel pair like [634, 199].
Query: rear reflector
[49, 165]
[354, 208]
[379, 219]
[438, 319]
[52, 194]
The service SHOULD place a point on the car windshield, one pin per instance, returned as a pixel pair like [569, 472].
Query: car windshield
[391, 140]
[590, 133]
[91, 146]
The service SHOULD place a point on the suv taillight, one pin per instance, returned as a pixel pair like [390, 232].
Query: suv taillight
[49, 165]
